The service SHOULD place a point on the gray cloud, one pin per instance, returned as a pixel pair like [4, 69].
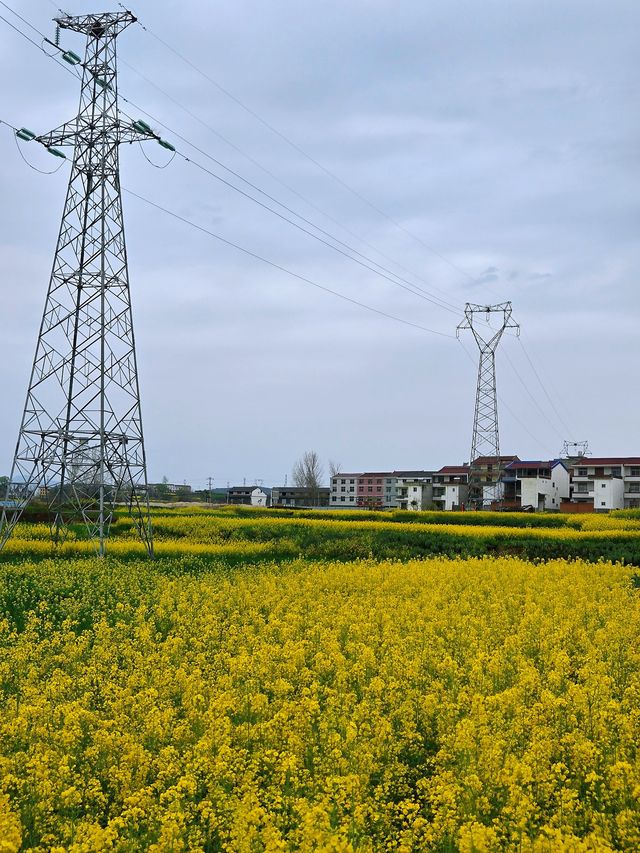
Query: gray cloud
[503, 136]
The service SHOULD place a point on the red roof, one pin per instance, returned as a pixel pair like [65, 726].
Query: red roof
[589, 462]
[492, 460]
[454, 469]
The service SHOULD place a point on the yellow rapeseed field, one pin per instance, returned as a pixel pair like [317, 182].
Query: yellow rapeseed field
[474, 705]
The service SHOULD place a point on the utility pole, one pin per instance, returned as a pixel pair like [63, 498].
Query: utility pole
[210, 482]
[81, 444]
[485, 439]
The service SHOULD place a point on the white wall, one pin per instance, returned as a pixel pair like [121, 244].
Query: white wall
[553, 489]
[451, 496]
[608, 493]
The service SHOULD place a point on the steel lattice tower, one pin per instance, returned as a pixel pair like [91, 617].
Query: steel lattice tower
[485, 440]
[81, 444]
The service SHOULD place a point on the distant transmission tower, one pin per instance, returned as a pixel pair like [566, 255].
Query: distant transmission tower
[81, 446]
[485, 441]
[574, 450]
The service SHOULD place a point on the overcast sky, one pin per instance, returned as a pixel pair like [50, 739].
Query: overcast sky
[492, 152]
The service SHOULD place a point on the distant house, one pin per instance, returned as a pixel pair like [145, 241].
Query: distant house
[343, 490]
[451, 487]
[375, 490]
[416, 494]
[605, 483]
[413, 489]
[248, 495]
[485, 479]
[535, 485]
[300, 496]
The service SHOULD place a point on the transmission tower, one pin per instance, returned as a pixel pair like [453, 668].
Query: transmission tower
[485, 441]
[81, 445]
[574, 450]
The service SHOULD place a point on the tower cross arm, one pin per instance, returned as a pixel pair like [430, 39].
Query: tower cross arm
[121, 131]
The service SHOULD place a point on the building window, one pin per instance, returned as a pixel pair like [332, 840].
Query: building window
[603, 503]
[616, 472]
[351, 488]
[635, 472]
[351, 498]
[582, 472]
[369, 488]
[603, 485]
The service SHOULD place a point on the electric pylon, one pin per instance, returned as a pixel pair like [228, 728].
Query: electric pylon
[485, 441]
[81, 445]
[574, 450]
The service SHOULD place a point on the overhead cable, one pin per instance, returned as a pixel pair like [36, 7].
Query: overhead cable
[283, 269]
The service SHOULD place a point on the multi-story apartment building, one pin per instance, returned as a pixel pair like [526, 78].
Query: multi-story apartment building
[609, 482]
[451, 487]
[535, 485]
[370, 489]
[375, 490]
[343, 491]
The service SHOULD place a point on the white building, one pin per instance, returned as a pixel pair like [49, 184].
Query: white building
[611, 482]
[413, 489]
[248, 496]
[535, 484]
[343, 491]
[418, 495]
[451, 487]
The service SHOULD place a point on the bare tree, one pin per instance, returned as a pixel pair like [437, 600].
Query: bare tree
[334, 468]
[308, 473]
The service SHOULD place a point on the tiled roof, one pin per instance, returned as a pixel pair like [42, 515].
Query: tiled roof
[589, 462]
[531, 465]
[493, 460]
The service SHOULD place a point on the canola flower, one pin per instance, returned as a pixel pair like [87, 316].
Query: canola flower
[472, 705]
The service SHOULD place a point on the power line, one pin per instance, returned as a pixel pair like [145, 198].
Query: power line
[275, 178]
[382, 271]
[505, 406]
[529, 393]
[283, 269]
[544, 388]
[304, 153]
[304, 230]
[34, 43]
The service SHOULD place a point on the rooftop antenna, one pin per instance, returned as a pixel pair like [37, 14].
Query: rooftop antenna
[81, 445]
[485, 439]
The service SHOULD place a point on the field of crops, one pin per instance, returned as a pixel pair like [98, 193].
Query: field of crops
[348, 681]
